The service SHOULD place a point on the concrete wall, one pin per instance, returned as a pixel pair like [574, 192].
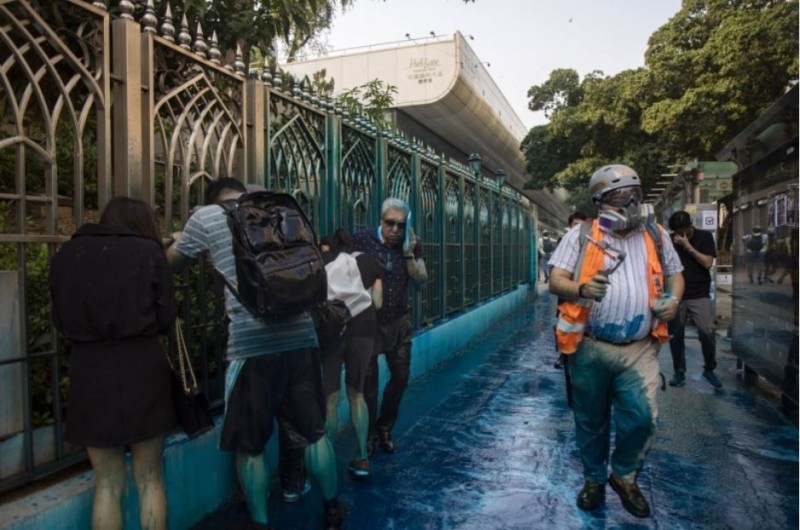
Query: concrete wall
[199, 477]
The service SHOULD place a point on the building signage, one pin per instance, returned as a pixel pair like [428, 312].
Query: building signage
[424, 70]
[709, 220]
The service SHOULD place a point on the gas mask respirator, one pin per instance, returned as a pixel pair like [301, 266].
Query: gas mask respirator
[626, 218]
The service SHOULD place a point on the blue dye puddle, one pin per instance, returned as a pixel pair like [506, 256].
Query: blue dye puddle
[486, 442]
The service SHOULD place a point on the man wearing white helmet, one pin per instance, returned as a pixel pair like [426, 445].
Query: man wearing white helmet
[621, 281]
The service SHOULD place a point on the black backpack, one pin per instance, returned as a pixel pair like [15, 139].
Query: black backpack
[755, 243]
[279, 269]
[548, 245]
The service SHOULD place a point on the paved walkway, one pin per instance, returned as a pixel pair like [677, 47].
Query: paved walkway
[486, 442]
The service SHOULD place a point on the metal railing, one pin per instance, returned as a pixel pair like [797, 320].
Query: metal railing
[92, 107]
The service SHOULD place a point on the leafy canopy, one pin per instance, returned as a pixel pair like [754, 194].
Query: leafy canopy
[711, 70]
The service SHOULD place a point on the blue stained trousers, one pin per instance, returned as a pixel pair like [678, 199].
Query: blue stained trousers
[621, 380]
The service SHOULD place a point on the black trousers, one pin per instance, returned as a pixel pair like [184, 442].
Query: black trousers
[394, 341]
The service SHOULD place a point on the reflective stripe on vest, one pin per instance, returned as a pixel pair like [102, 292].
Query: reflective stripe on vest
[566, 327]
[574, 314]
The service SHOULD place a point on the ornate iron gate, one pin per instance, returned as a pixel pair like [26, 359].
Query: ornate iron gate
[92, 107]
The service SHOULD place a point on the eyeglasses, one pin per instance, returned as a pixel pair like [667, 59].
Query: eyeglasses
[623, 196]
[392, 223]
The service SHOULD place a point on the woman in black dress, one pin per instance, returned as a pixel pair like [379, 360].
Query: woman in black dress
[112, 297]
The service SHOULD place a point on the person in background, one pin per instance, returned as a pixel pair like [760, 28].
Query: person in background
[755, 244]
[547, 245]
[112, 297]
[273, 372]
[395, 245]
[355, 279]
[574, 219]
[772, 258]
[612, 324]
[697, 251]
[784, 259]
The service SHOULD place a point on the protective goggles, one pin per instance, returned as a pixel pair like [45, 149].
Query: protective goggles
[623, 196]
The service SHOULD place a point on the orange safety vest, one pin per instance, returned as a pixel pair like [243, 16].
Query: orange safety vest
[573, 314]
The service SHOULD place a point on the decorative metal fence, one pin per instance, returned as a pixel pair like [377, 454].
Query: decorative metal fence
[93, 106]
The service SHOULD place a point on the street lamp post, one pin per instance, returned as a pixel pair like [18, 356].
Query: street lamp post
[500, 177]
[475, 163]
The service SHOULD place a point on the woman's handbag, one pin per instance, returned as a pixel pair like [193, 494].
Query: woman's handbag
[191, 406]
[330, 320]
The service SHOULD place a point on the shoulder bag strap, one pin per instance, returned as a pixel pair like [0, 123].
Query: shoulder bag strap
[184, 361]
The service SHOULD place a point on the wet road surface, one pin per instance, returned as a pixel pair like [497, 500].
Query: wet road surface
[486, 441]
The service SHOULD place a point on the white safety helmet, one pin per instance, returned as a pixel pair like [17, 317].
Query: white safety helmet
[612, 177]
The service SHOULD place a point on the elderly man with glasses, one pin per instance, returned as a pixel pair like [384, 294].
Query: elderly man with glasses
[621, 281]
[396, 246]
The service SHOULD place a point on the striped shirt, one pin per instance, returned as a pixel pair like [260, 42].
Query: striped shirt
[624, 314]
[207, 233]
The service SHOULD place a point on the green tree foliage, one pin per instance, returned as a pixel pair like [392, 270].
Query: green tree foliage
[562, 90]
[372, 99]
[711, 70]
[255, 23]
[260, 24]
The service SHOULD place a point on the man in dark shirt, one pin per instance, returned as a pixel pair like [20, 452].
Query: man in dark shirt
[396, 246]
[697, 252]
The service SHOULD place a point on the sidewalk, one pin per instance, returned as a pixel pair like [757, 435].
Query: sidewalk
[486, 442]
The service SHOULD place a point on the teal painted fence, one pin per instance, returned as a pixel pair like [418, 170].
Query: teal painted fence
[135, 103]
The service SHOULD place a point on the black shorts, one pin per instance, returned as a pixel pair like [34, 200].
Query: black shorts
[356, 353]
[285, 386]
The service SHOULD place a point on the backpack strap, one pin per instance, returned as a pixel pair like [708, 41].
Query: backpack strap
[655, 235]
[586, 227]
[229, 207]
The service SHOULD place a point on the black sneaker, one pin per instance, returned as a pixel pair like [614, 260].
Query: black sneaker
[386, 442]
[372, 441]
[293, 495]
[335, 515]
[712, 378]
[679, 379]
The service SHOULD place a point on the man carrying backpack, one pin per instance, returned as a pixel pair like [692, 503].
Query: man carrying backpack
[755, 244]
[547, 245]
[401, 252]
[274, 370]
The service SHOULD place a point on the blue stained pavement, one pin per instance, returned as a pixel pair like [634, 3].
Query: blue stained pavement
[486, 441]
